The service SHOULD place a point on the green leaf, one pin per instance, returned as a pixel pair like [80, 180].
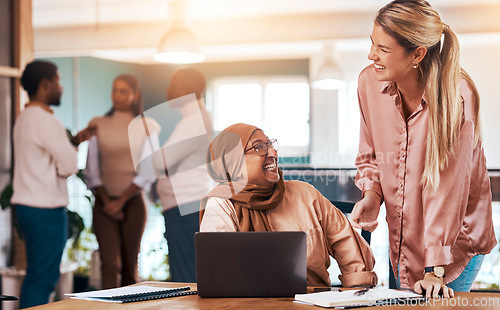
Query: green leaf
[6, 196]
[75, 225]
[69, 133]
[81, 175]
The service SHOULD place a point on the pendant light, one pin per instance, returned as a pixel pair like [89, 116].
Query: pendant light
[329, 76]
[178, 45]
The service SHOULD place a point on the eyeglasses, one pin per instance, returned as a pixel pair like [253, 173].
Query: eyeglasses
[262, 148]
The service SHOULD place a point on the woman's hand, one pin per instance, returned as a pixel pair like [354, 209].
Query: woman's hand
[365, 212]
[111, 207]
[114, 209]
[84, 135]
[433, 286]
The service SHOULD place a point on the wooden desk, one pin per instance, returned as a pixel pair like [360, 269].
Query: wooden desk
[480, 301]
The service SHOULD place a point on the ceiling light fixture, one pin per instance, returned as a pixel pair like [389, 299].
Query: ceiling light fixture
[329, 75]
[178, 45]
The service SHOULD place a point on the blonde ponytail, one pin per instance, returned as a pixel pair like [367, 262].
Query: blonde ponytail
[445, 110]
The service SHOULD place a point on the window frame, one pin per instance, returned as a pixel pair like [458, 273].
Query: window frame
[212, 98]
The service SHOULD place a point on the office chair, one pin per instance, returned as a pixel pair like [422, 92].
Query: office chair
[9, 298]
[346, 208]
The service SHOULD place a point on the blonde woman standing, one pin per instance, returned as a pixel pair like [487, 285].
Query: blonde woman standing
[421, 152]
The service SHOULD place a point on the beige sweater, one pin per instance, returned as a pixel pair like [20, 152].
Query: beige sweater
[116, 161]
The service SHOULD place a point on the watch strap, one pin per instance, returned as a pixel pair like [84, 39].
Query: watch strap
[438, 271]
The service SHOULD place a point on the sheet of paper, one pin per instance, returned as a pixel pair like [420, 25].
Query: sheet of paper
[383, 293]
[347, 298]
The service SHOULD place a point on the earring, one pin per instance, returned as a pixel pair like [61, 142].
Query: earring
[415, 66]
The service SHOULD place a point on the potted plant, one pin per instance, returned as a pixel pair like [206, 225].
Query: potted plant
[12, 277]
[75, 221]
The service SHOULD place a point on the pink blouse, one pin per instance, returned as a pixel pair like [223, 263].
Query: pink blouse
[427, 227]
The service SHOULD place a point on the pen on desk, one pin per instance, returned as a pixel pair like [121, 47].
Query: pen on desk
[361, 292]
[326, 289]
[7, 297]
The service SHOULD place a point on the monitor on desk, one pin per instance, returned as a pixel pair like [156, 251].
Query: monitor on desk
[251, 264]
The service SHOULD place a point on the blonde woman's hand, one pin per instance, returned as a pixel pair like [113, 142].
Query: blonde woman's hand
[365, 212]
[433, 287]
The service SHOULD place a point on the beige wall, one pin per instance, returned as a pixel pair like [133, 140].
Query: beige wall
[481, 61]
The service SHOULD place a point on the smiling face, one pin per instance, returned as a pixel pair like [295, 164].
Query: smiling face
[392, 61]
[262, 170]
[122, 96]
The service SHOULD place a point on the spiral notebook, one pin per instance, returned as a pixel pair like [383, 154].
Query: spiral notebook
[133, 294]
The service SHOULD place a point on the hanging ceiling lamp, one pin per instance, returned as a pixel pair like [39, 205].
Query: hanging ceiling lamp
[329, 75]
[178, 45]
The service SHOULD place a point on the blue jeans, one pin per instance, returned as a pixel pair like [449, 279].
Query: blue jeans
[179, 232]
[465, 280]
[44, 231]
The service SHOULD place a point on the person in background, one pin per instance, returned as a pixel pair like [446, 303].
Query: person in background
[186, 181]
[421, 152]
[43, 159]
[119, 214]
[252, 196]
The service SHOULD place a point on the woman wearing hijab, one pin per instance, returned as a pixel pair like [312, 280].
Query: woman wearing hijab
[252, 196]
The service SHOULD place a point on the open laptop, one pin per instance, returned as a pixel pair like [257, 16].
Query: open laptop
[251, 264]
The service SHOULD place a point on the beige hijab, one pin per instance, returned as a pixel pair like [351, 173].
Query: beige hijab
[226, 164]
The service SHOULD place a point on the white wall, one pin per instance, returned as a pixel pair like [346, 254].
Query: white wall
[325, 151]
[481, 60]
[479, 57]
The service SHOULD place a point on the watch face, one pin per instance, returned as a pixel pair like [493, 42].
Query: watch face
[439, 271]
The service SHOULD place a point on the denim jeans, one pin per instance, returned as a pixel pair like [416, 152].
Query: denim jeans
[179, 232]
[44, 231]
[464, 282]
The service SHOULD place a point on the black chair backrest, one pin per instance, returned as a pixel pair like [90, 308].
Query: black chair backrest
[346, 208]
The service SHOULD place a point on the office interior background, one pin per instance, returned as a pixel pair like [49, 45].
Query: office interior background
[261, 58]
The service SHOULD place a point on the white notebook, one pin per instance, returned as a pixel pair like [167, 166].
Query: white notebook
[349, 298]
[133, 293]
